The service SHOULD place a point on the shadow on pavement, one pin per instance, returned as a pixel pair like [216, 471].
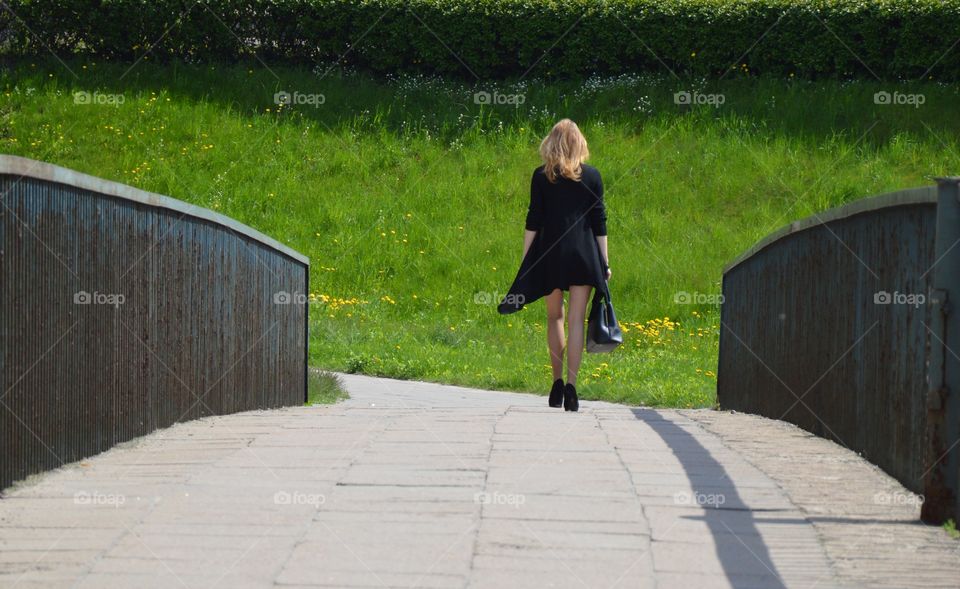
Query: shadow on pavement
[739, 546]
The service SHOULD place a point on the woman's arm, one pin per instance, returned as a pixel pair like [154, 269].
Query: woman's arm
[602, 244]
[534, 214]
[598, 222]
[528, 236]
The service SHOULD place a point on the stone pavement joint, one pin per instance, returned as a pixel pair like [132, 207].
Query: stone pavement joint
[411, 484]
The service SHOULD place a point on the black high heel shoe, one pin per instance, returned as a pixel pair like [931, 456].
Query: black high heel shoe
[556, 393]
[570, 400]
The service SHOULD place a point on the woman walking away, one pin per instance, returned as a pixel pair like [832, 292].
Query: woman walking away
[564, 249]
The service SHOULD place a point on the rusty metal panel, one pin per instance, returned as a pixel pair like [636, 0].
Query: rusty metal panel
[121, 315]
[825, 326]
[942, 473]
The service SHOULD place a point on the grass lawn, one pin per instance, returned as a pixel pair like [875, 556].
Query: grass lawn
[409, 197]
[324, 388]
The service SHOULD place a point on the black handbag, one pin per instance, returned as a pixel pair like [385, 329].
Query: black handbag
[603, 331]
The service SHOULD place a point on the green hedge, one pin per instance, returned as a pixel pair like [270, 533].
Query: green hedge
[892, 39]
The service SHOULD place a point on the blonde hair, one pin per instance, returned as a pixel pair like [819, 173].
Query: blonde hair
[563, 150]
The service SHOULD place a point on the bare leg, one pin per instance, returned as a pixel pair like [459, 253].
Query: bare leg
[579, 295]
[555, 331]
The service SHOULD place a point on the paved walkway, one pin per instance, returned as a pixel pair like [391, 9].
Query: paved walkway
[418, 485]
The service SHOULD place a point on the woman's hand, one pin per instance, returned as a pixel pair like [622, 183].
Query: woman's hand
[609, 273]
[602, 244]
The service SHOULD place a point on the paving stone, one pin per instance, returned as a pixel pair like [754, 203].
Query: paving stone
[412, 484]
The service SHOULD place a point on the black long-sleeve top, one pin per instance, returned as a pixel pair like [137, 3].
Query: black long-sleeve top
[561, 204]
[568, 216]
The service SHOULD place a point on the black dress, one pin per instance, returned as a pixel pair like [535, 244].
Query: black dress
[568, 216]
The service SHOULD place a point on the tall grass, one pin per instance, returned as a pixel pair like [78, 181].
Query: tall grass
[409, 197]
[324, 388]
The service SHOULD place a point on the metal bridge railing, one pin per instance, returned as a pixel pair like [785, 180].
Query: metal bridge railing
[842, 323]
[124, 311]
